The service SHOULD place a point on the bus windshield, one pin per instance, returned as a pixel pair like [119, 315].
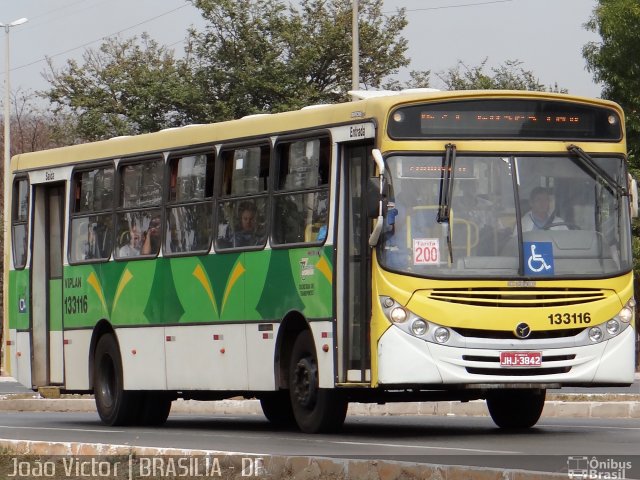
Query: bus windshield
[514, 216]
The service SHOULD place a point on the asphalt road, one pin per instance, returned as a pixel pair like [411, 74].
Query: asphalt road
[471, 441]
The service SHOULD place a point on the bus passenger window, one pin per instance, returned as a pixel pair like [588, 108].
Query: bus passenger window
[138, 218]
[242, 209]
[302, 198]
[19, 222]
[189, 213]
[91, 234]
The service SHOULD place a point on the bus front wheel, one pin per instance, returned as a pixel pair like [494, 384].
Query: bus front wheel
[115, 405]
[514, 408]
[315, 409]
[276, 406]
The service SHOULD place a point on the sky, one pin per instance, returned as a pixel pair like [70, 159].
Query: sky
[547, 36]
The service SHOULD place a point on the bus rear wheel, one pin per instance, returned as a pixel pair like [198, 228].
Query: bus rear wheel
[115, 405]
[155, 408]
[314, 409]
[514, 408]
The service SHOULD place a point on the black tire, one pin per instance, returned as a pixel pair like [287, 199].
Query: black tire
[115, 405]
[516, 409]
[315, 409]
[155, 408]
[276, 406]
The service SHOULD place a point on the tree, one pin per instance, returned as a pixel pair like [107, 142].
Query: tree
[261, 56]
[124, 88]
[509, 76]
[614, 61]
[253, 56]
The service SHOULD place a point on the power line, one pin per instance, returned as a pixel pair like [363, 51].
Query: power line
[99, 39]
[457, 6]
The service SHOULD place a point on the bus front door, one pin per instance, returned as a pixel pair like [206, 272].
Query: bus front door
[354, 265]
[46, 327]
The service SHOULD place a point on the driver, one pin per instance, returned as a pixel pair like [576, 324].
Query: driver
[540, 217]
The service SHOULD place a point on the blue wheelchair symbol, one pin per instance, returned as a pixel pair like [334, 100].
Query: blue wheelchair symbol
[538, 258]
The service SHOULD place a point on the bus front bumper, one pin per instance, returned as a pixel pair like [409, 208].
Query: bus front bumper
[407, 360]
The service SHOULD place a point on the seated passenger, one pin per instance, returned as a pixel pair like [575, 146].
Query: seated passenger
[245, 234]
[132, 247]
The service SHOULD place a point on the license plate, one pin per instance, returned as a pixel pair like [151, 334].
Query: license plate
[520, 359]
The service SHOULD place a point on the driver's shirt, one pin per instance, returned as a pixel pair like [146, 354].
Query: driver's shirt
[528, 223]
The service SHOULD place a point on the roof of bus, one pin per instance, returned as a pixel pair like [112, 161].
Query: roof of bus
[263, 125]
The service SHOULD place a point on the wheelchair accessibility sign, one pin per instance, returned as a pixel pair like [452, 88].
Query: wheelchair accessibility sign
[538, 258]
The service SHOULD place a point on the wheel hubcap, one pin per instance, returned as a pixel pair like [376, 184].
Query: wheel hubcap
[306, 382]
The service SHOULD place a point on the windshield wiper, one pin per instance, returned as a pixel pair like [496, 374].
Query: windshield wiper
[446, 192]
[446, 183]
[598, 171]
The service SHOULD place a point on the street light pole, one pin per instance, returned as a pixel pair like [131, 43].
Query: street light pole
[7, 96]
[7, 182]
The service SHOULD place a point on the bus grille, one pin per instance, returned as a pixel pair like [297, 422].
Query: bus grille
[510, 335]
[518, 297]
[492, 368]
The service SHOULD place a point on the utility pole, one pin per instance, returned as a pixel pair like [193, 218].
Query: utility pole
[355, 48]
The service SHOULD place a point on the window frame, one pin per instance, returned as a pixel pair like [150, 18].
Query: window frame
[278, 192]
[237, 198]
[169, 204]
[75, 213]
[120, 210]
[14, 222]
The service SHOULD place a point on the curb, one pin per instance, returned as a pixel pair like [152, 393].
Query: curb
[233, 465]
[553, 408]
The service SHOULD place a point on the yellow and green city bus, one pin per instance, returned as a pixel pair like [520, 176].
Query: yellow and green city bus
[416, 246]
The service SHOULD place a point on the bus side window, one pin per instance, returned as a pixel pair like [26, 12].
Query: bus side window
[139, 208]
[91, 233]
[20, 216]
[241, 211]
[302, 196]
[189, 213]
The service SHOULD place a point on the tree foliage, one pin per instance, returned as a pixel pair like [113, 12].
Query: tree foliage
[264, 56]
[509, 76]
[615, 62]
[124, 88]
[252, 56]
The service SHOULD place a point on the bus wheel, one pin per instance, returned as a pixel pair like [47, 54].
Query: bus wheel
[155, 408]
[516, 408]
[276, 406]
[315, 409]
[115, 405]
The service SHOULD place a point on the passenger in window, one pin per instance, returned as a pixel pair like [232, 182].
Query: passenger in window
[131, 242]
[540, 217]
[151, 237]
[245, 234]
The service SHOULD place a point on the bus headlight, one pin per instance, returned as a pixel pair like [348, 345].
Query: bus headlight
[387, 302]
[595, 334]
[398, 315]
[613, 327]
[419, 327]
[441, 335]
[625, 315]
[416, 325]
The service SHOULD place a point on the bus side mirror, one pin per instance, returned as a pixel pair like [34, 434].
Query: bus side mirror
[377, 228]
[374, 197]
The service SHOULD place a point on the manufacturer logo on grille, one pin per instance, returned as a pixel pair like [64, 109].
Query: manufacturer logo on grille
[522, 330]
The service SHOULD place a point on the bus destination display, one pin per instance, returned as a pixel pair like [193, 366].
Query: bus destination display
[526, 119]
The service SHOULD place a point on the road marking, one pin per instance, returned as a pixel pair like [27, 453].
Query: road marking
[400, 445]
[590, 427]
[62, 429]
